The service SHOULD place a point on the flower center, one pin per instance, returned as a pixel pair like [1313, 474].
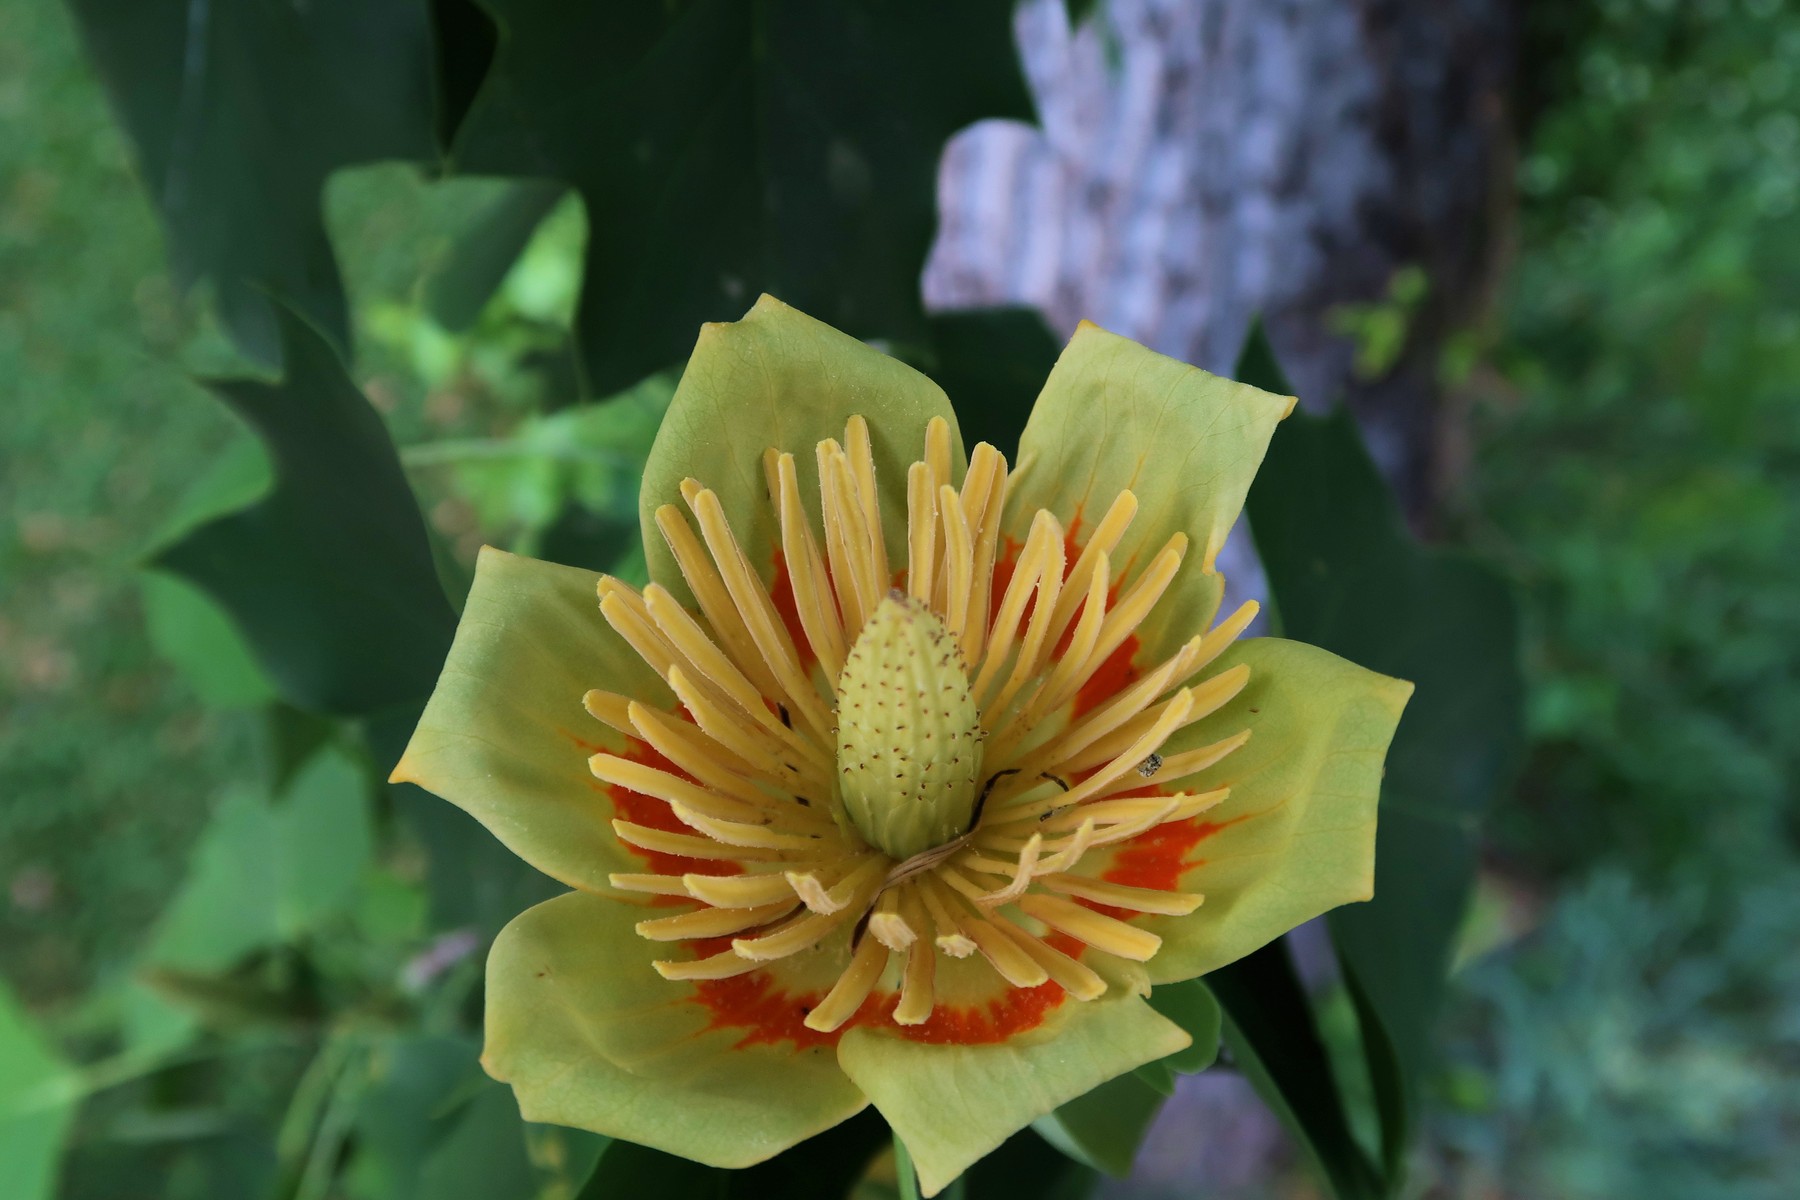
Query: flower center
[909, 734]
[892, 775]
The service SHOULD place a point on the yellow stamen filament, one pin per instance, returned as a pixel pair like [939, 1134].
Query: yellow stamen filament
[724, 965]
[738, 891]
[813, 596]
[656, 885]
[1101, 932]
[712, 922]
[751, 766]
[609, 768]
[1073, 976]
[851, 989]
[1118, 895]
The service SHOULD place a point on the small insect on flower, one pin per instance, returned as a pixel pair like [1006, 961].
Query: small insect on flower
[903, 780]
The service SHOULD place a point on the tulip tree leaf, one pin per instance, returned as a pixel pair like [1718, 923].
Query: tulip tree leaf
[1104, 1128]
[329, 575]
[1346, 575]
[725, 148]
[270, 872]
[1274, 1040]
[484, 1156]
[475, 267]
[825, 1167]
[38, 1095]
[991, 362]
[238, 113]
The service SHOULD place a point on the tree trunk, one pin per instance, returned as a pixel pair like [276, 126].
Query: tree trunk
[1204, 161]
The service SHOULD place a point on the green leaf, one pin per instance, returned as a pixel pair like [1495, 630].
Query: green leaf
[238, 113]
[197, 637]
[484, 1156]
[462, 284]
[725, 149]
[1104, 1128]
[992, 362]
[1274, 1041]
[1025, 1166]
[266, 873]
[38, 1096]
[822, 1168]
[1192, 1006]
[1347, 576]
[330, 575]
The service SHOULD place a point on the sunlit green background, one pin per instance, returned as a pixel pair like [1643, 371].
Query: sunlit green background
[1627, 1021]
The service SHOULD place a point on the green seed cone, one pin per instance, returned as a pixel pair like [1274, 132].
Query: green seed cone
[909, 735]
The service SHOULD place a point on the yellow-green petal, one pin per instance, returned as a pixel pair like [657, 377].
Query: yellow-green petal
[780, 379]
[950, 1105]
[589, 1035]
[1114, 416]
[1296, 836]
[504, 736]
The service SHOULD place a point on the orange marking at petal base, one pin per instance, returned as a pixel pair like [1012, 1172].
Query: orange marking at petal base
[768, 1015]
[1111, 677]
[656, 814]
[787, 607]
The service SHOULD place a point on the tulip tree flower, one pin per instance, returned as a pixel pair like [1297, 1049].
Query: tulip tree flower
[904, 779]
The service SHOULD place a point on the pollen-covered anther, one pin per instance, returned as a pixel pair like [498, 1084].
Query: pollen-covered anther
[912, 760]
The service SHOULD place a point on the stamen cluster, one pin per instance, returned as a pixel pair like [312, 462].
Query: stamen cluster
[1013, 791]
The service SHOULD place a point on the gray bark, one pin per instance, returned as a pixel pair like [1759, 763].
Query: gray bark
[1203, 161]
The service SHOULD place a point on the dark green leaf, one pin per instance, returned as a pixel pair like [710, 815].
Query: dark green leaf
[1193, 1007]
[1346, 575]
[1025, 1165]
[1104, 1128]
[991, 362]
[1274, 1040]
[461, 286]
[821, 1168]
[330, 575]
[189, 630]
[484, 1156]
[265, 873]
[239, 111]
[726, 148]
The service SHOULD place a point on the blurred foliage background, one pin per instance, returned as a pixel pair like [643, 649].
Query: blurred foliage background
[1625, 1016]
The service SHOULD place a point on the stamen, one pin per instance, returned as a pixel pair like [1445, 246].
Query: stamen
[827, 900]
[860, 456]
[755, 776]
[610, 709]
[723, 965]
[687, 846]
[1118, 895]
[917, 991]
[1027, 573]
[739, 833]
[738, 891]
[887, 925]
[921, 532]
[1076, 978]
[1104, 541]
[950, 937]
[712, 922]
[758, 612]
[813, 596]
[648, 781]
[656, 885]
[851, 989]
[715, 602]
[1101, 932]
[952, 588]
